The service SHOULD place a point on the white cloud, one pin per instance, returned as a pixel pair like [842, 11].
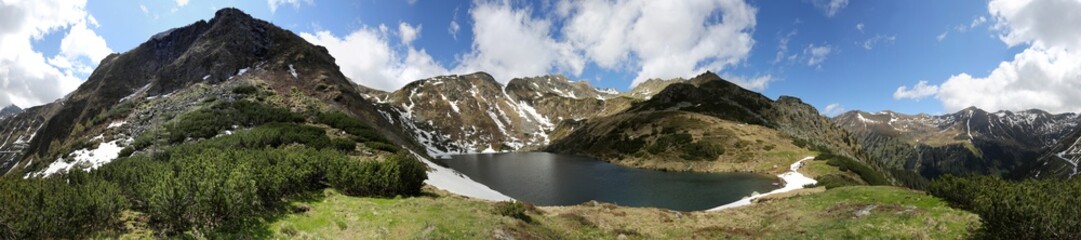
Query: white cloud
[661, 39]
[508, 43]
[919, 91]
[833, 109]
[453, 29]
[1044, 24]
[366, 57]
[27, 77]
[274, 4]
[1046, 75]
[942, 36]
[181, 3]
[830, 7]
[871, 42]
[816, 54]
[782, 46]
[411, 2]
[408, 32]
[976, 22]
[145, 11]
[859, 27]
[757, 83]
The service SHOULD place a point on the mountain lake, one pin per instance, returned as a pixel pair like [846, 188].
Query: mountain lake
[548, 179]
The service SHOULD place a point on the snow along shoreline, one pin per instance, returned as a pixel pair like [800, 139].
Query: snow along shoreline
[793, 180]
[455, 182]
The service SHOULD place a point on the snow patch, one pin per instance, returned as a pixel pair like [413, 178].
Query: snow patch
[452, 181]
[116, 124]
[863, 119]
[293, 71]
[87, 159]
[793, 180]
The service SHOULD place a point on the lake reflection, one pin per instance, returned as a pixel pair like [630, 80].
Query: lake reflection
[553, 179]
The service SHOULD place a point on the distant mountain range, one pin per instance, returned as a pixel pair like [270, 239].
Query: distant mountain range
[970, 141]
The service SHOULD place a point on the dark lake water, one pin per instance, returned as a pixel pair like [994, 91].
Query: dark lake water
[548, 179]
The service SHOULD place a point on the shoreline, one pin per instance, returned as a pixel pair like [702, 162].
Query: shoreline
[452, 181]
[793, 180]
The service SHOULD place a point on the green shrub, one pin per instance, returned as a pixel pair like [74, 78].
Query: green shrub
[351, 125]
[64, 206]
[400, 174]
[868, 175]
[835, 181]
[514, 209]
[702, 150]
[208, 122]
[382, 146]
[1029, 209]
[245, 90]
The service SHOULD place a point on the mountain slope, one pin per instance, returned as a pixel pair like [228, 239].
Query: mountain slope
[474, 113]
[970, 141]
[1060, 159]
[175, 70]
[707, 124]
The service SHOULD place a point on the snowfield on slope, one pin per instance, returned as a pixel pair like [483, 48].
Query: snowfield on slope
[87, 159]
[452, 181]
[793, 180]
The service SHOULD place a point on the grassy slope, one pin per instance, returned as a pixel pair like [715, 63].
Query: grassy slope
[893, 213]
[747, 147]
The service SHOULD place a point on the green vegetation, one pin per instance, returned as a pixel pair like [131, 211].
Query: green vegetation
[119, 111]
[514, 209]
[1029, 209]
[870, 176]
[360, 131]
[205, 188]
[858, 212]
[66, 206]
[207, 122]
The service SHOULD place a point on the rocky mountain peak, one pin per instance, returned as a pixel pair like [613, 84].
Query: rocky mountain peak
[9, 111]
[530, 88]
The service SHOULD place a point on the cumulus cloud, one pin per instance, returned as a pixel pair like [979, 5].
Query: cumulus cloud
[28, 77]
[859, 27]
[919, 91]
[508, 42]
[942, 36]
[274, 4]
[367, 57]
[830, 7]
[655, 39]
[408, 32]
[833, 109]
[181, 3]
[661, 39]
[1046, 75]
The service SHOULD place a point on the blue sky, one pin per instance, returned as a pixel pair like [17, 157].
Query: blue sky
[852, 55]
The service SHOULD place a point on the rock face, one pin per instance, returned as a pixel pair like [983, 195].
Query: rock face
[10, 111]
[474, 113]
[968, 141]
[1061, 158]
